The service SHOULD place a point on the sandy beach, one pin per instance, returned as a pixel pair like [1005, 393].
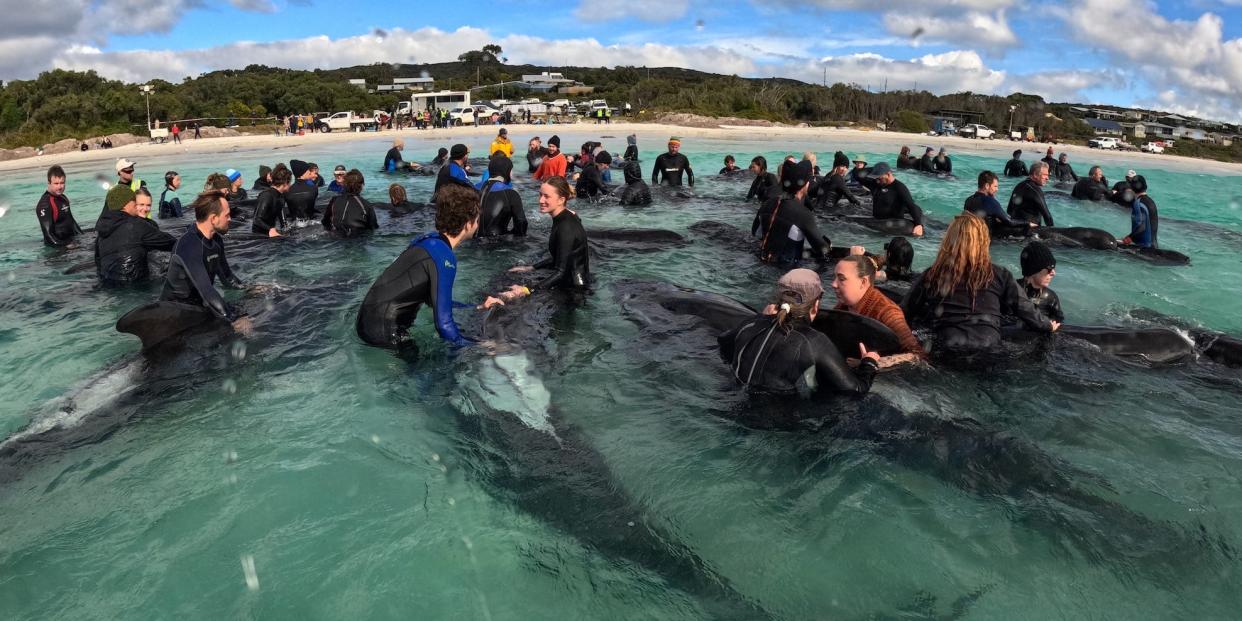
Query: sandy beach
[648, 135]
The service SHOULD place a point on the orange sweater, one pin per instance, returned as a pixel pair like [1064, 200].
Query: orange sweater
[553, 166]
[878, 307]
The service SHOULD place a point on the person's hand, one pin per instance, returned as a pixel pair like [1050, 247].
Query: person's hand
[520, 269]
[770, 309]
[1055, 326]
[857, 251]
[273, 233]
[862, 349]
[1126, 240]
[490, 302]
[243, 326]
[918, 230]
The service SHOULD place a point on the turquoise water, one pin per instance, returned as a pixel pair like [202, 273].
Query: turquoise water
[340, 471]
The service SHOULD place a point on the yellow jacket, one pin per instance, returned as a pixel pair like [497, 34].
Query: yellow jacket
[501, 144]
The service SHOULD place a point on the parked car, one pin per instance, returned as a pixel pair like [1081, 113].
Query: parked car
[1104, 142]
[348, 121]
[1153, 147]
[975, 130]
[464, 115]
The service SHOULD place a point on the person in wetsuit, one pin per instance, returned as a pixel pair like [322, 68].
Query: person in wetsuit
[398, 202]
[983, 204]
[302, 193]
[1049, 159]
[942, 164]
[1144, 220]
[890, 198]
[859, 172]
[765, 183]
[123, 239]
[591, 181]
[236, 191]
[898, 260]
[500, 206]
[1027, 200]
[423, 274]
[963, 295]
[672, 165]
[264, 180]
[631, 148]
[854, 283]
[348, 214]
[454, 171]
[534, 154]
[441, 157]
[825, 194]
[1122, 193]
[774, 354]
[568, 254]
[198, 259]
[1038, 269]
[636, 191]
[269, 208]
[55, 219]
[730, 167]
[170, 203]
[925, 163]
[1062, 171]
[1016, 167]
[784, 223]
[392, 159]
[904, 159]
[338, 179]
[1091, 187]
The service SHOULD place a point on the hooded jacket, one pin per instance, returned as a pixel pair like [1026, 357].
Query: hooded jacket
[121, 246]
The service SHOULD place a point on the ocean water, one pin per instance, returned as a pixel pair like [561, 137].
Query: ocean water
[300, 474]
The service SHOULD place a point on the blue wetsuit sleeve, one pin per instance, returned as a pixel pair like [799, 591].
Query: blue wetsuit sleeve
[442, 304]
[457, 172]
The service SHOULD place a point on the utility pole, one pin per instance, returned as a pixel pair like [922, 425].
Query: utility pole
[1011, 109]
[146, 91]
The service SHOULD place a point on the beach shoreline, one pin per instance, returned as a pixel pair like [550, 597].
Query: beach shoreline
[649, 133]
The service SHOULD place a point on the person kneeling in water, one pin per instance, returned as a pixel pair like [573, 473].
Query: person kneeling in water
[568, 254]
[636, 191]
[1144, 219]
[853, 281]
[198, 259]
[1038, 268]
[124, 237]
[983, 204]
[776, 354]
[423, 274]
[349, 214]
[963, 295]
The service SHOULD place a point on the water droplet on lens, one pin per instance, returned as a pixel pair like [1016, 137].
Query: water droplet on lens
[239, 350]
[230, 457]
[629, 523]
[435, 457]
[452, 502]
[4, 209]
[248, 570]
[374, 439]
[230, 386]
[469, 544]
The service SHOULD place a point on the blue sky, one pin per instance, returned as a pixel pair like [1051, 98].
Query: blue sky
[1185, 56]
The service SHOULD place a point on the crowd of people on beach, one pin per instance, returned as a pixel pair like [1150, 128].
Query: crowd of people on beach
[963, 298]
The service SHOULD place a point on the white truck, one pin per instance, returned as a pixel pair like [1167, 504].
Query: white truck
[975, 130]
[1154, 147]
[1104, 142]
[348, 121]
[462, 115]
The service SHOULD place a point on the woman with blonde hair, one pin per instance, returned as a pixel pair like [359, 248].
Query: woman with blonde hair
[963, 295]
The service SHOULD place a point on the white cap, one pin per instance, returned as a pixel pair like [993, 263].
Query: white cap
[1131, 173]
[122, 164]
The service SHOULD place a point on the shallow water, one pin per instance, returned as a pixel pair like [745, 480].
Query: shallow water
[345, 476]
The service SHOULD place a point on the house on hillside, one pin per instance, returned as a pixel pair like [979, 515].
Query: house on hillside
[1157, 131]
[1107, 115]
[1103, 127]
[415, 84]
[1224, 140]
[358, 82]
[1134, 132]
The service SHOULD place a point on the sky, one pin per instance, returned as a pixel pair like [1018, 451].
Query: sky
[1183, 56]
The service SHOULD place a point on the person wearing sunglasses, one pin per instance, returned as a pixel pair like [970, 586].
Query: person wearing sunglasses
[338, 180]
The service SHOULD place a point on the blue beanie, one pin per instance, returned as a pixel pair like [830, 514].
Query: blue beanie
[232, 174]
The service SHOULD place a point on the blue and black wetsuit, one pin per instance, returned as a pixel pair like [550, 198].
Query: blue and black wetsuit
[452, 172]
[422, 274]
[195, 264]
[1140, 225]
[501, 210]
[392, 160]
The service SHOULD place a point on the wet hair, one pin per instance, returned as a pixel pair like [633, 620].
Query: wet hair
[207, 205]
[281, 175]
[562, 186]
[729, 159]
[986, 178]
[311, 166]
[1091, 171]
[905, 151]
[456, 206]
[898, 257]
[55, 172]
[963, 258]
[169, 176]
[761, 162]
[864, 265]
[353, 182]
[217, 181]
[1038, 166]
[789, 310]
[396, 193]
[1138, 184]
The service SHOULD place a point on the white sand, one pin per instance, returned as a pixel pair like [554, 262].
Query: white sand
[649, 134]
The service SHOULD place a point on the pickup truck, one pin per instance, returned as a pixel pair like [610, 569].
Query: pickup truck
[462, 115]
[975, 130]
[348, 121]
[1153, 147]
[1104, 142]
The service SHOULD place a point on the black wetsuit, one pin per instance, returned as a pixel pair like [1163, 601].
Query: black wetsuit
[856, 175]
[925, 164]
[591, 183]
[260, 184]
[999, 222]
[300, 201]
[762, 187]
[636, 191]
[767, 360]
[729, 172]
[1015, 168]
[269, 212]
[195, 264]
[501, 211]
[785, 224]
[1044, 300]
[534, 158]
[451, 173]
[1089, 189]
[568, 254]
[1062, 171]
[892, 201]
[239, 195]
[829, 190]
[971, 322]
[942, 165]
[671, 166]
[122, 244]
[631, 153]
[348, 215]
[1117, 195]
[422, 274]
[56, 220]
[906, 161]
[1027, 203]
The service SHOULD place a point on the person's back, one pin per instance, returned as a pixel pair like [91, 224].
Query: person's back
[348, 215]
[1027, 203]
[787, 225]
[395, 298]
[636, 191]
[300, 200]
[769, 360]
[121, 245]
[501, 211]
[1015, 168]
[966, 320]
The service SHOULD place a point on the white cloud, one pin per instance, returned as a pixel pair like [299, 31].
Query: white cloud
[1063, 85]
[950, 72]
[973, 23]
[1191, 60]
[646, 10]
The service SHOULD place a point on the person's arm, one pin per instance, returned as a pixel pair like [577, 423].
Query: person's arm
[754, 187]
[916, 212]
[833, 374]
[155, 239]
[948, 164]
[1138, 220]
[1054, 307]
[442, 305]
[263, 217]
[1015, 302]
[227, 277]
[327, 214]
[820, 245]
[655, 172]
[519, 214]
[838, 187]
[201, 281]
[994, 209]
[369, 209]
[1072, 174]
[1043, 207]
[689, 171]
[562, 250]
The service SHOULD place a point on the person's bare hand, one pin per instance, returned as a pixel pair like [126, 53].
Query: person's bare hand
[770, 309]
[491, 301]
[857, 250]
[273, 233]
[520, 269]
[862, 349]
[1056, 325]
[243, 326]
[918, 230]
